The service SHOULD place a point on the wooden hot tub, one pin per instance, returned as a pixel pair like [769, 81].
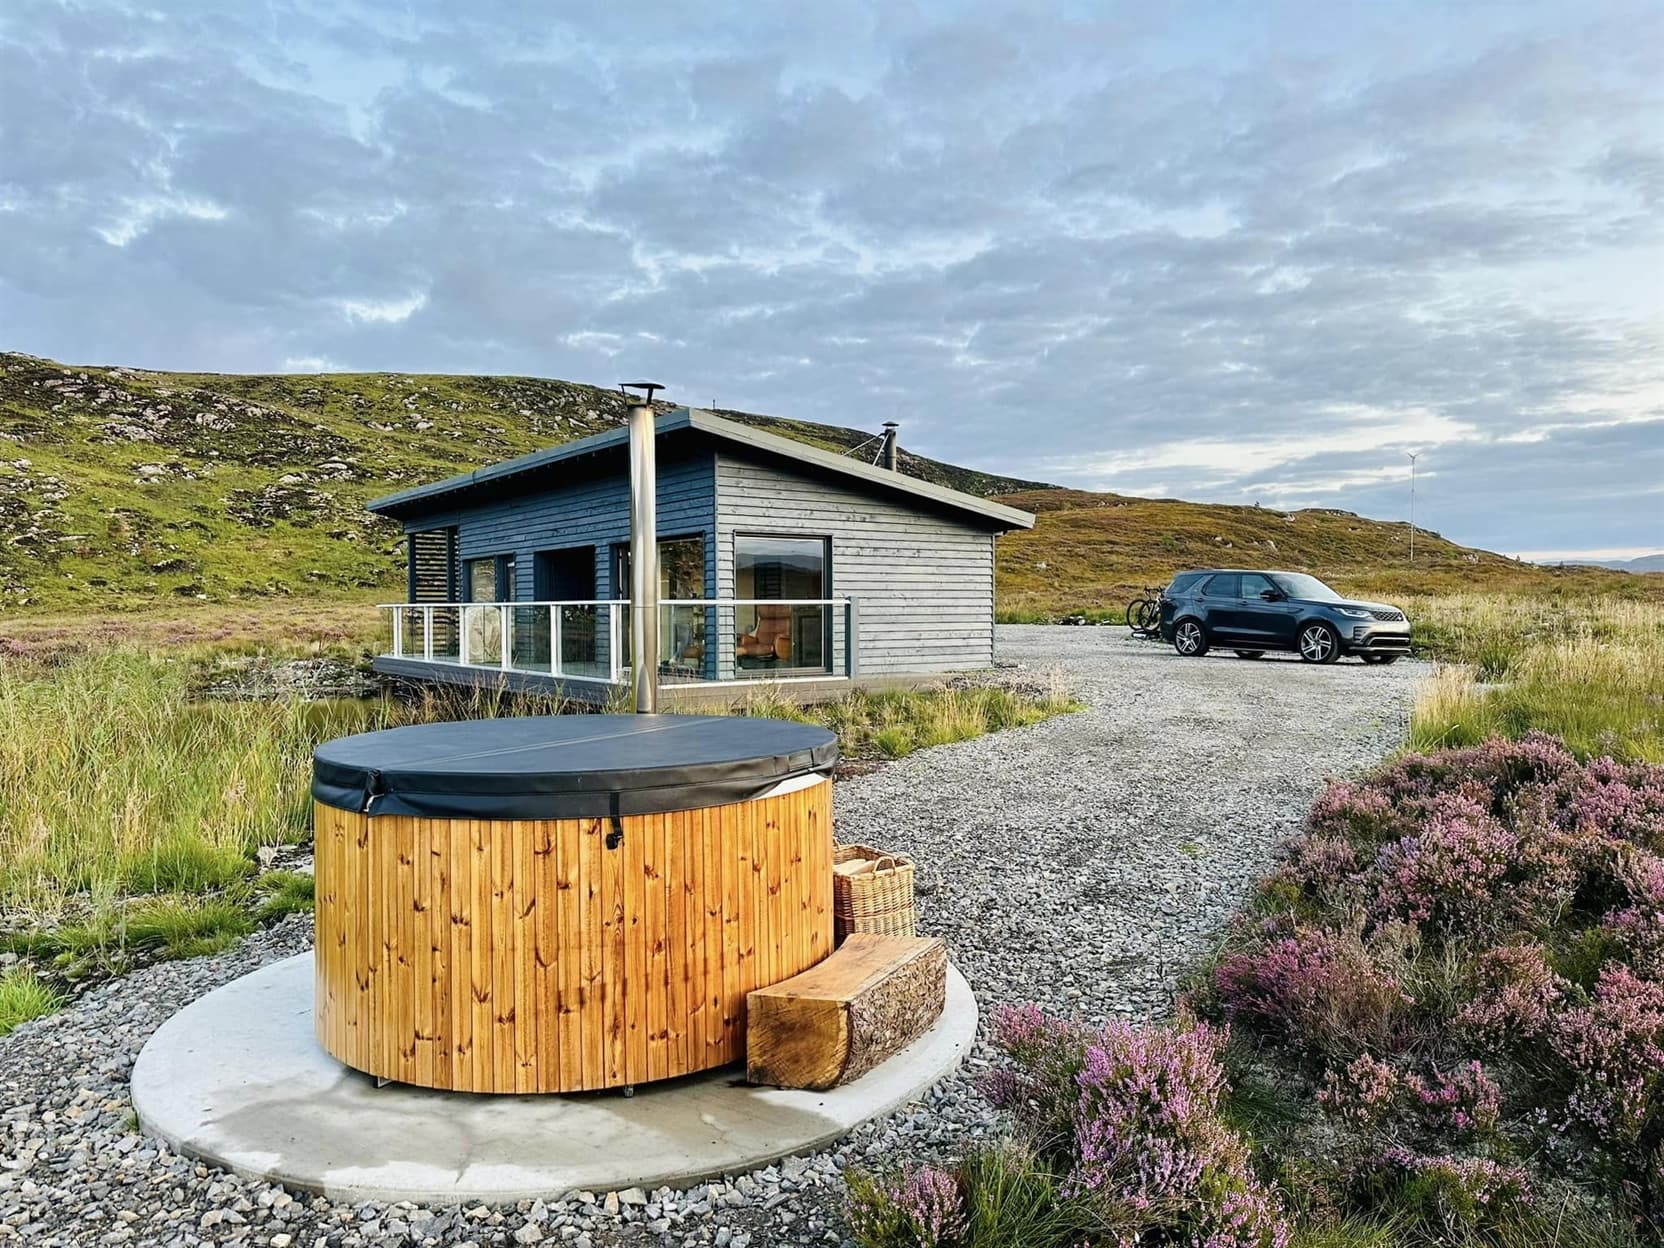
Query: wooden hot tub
[565, 902]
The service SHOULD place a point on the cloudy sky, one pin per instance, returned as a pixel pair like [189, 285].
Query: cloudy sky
[1234, 252]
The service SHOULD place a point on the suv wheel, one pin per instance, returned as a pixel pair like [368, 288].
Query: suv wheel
[1319, 644]
[1190, 638]
[1249, 654]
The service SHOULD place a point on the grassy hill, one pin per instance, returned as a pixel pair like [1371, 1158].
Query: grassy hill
[123, 489]
[1092, 552]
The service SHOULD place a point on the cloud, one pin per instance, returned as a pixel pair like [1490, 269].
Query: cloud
[382, 311]
[1228, 254]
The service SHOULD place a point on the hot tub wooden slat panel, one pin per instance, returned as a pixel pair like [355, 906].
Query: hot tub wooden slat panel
[706, 900]
[616, 967]
[654, 952]
[731, 865]
[457, 847]
[629, 984]
[689, 925]
[591, 1064]
[565, 1067]
[762, 932]
[677, 968]
[444, 960]
[545, 983]
[419, 951]
[523, 893]
[526, 956]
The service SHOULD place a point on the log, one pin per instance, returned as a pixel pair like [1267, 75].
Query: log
[838, 1019]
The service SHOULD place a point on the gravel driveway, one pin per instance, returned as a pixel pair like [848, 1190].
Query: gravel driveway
[1081, 863]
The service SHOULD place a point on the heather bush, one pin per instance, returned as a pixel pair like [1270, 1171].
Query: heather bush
[1147, 1115]
[1614, 1050]
[1639, 926]
[1513, 993]
[1447, 1005]
[1122, 1142]
[916, 1208]
[1353, 814]
[1371, 1094]
[1447, 872]
[1465, 955]
[1317, 988]
[1037, 1087]
[1446, 1193]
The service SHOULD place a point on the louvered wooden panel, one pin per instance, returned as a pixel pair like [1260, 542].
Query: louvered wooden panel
[433, 565]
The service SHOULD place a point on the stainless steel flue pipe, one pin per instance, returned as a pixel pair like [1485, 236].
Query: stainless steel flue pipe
[644, 551]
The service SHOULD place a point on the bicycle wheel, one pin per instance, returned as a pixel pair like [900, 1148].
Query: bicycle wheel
[1135, 610]
[1149, 615]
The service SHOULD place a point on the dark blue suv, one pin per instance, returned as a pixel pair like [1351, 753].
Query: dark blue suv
[1252, 612]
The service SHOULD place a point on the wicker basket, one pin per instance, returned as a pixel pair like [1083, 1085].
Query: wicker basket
[879, 901]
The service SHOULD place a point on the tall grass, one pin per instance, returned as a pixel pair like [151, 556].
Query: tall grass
[114, 780]
[1488, 632]
[898, 722]
[1594, 676]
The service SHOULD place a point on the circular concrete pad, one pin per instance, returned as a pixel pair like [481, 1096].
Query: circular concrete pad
[237, 1079]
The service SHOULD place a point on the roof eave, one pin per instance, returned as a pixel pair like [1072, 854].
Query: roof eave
[1002, 517]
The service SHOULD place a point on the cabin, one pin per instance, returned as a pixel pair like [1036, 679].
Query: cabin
[778, 561]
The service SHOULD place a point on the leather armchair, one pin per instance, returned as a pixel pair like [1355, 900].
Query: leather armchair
[772, 638]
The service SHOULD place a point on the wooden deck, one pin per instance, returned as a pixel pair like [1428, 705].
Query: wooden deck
[693, 695]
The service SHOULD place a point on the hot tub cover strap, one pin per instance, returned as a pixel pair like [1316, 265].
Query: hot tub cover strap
[567, 766]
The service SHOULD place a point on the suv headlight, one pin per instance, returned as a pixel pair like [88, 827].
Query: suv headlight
[1355, 613]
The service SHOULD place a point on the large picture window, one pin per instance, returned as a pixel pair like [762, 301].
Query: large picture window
[785, 636]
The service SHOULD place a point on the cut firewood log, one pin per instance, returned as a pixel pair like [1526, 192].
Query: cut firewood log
[840, 1018]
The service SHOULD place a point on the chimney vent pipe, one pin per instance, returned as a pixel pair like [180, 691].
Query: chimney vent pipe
[644, 550]
[891, 459]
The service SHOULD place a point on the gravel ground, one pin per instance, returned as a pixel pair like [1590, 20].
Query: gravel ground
[1081, 863]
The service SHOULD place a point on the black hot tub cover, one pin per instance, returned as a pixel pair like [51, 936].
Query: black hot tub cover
[567, 766]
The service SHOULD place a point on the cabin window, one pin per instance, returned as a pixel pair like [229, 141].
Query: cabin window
[681, 579]
[491, 579]
[795, 634]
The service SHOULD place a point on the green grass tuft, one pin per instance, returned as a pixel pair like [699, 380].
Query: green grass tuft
[110, 941]
[23, 996]
[283, 893]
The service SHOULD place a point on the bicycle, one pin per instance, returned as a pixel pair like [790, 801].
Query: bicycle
[1144, 614]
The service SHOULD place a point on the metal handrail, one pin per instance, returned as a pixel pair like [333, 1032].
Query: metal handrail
[504, 658]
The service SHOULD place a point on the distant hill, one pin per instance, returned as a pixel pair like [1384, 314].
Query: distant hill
[1646, 563]
[1093, 551]
[120, 487]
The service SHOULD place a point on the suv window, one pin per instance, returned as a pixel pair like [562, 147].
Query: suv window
[1184, 582]
[1222, 585]
[1253, 584]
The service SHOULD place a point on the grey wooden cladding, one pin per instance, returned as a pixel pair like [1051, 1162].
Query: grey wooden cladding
[925, 581]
